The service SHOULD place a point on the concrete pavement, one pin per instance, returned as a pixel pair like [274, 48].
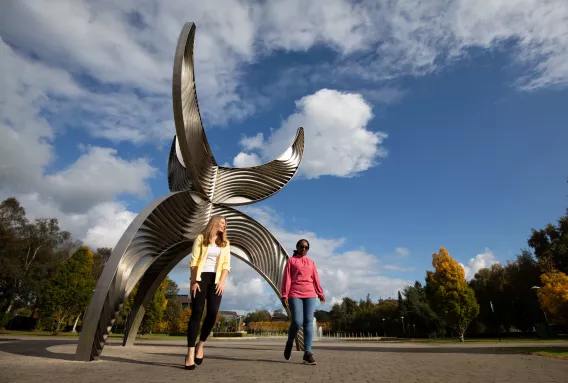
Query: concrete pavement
[46, 359]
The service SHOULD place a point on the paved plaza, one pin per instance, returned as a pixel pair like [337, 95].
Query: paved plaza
[46, 359]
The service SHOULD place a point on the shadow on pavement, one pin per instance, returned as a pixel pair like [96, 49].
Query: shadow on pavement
[144, 362]
[36, 347]
[216, 357]
[39, 348]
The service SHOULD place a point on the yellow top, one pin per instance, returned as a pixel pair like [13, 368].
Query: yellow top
[199, 254]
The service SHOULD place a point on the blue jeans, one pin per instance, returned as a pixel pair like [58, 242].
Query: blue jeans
[302, 310]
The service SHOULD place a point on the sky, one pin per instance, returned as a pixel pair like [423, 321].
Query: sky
[438, 123]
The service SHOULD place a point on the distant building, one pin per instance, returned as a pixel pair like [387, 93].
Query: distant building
[183, 300]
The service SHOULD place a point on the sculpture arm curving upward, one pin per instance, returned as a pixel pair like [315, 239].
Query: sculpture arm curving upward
[192, 165]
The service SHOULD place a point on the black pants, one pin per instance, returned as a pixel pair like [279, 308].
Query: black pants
[207, 293]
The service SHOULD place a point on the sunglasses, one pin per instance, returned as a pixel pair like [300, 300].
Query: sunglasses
[303, 247]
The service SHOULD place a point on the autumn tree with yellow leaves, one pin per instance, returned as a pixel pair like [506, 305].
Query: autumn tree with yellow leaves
[449, 294]
[553, 295]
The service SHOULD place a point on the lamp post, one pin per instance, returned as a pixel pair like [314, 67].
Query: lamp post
[535, 288]
[402, 318]
[384, 328]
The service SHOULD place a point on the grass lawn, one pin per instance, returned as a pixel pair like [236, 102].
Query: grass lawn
[551, 352]
[485, 340]
[112, 336]
[37, 333]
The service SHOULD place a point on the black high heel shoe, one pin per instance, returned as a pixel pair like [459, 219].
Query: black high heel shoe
[198, 361]
[192, 367]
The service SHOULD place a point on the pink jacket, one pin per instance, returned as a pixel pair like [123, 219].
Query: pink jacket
[300, 279]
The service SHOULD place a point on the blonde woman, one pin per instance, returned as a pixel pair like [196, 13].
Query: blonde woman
[210, 264]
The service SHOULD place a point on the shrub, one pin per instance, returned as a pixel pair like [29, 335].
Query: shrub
[229, 334]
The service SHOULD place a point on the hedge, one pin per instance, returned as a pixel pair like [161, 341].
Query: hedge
[229, 334]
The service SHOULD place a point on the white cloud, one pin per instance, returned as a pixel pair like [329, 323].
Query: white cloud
[386, 95]
[123, 51]
[98, 176]
[421, 38]
[245, 289]
[82, 194]
[102, 225]
[299, 25]
[337, 141]
[107, 222]
[352, 273]
[402, 251]
[480, 261]
[398, 268]
[107, 70]
[251, 143]
[245, 160]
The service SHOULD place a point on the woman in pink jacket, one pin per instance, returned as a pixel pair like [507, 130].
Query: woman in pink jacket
[300, 287]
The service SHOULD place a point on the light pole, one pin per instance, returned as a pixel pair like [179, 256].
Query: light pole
[402, 318]
[384, 328]
[535, 288]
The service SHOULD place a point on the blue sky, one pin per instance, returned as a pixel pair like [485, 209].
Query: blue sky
[419, 134]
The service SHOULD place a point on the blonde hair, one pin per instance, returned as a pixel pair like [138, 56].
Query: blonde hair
[210, 231]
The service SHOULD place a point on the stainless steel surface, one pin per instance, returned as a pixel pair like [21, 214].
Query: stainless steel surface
[163, 233]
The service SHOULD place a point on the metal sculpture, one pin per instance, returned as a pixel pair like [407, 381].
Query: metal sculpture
[163, 233]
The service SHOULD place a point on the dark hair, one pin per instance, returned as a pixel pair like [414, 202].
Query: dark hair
[298, 244]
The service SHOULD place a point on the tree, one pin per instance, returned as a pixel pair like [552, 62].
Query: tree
[12, 225]
[69, 291]
[124, 313]
[173, 307]
[30, 253]
[503, 293]
[184, 319]
[102, 255]
[342, 314]
[401, 306]
[257, 316]
[417, 311]
[551, 246]
[450, 296]
[157, 318]
[322, 316]
[172, 289]
[489, 287]
[520, 307]
[172, 315]
[155, 309]
[553, 295]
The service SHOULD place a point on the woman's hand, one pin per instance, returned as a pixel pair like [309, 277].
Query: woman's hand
[220, 288]
[194, 289]
[285, 302]
[322, 299]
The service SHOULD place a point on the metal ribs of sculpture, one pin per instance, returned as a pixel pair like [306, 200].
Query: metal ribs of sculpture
[163, 233]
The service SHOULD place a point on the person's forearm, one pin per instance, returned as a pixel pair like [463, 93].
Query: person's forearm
[224, 274]
[193, 275]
